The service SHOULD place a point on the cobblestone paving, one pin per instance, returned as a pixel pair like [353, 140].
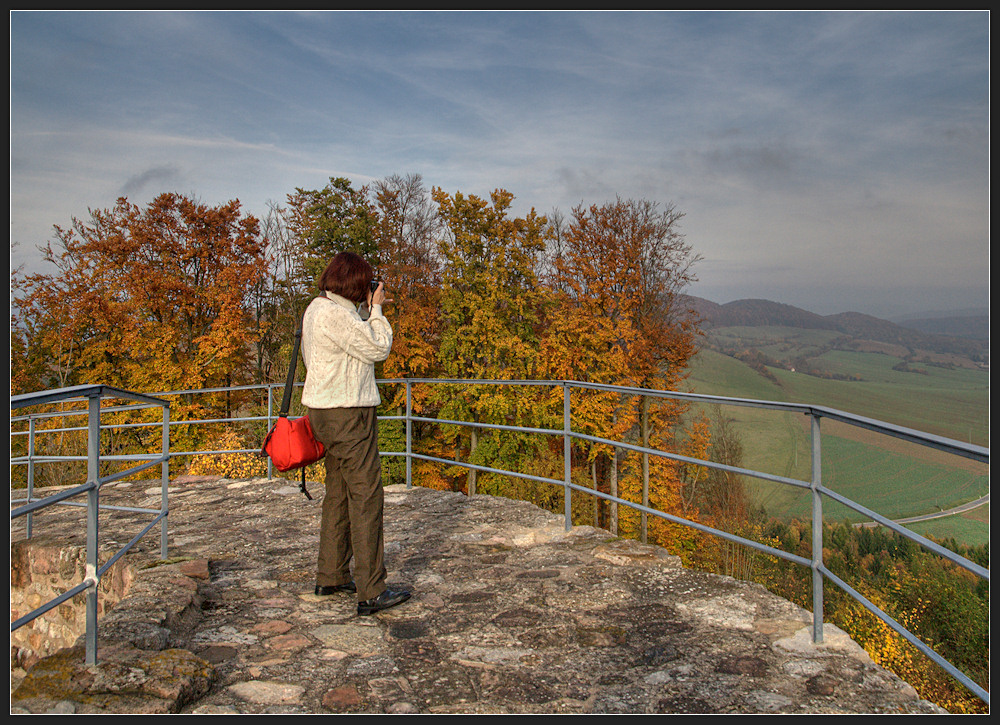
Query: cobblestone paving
[510, 614]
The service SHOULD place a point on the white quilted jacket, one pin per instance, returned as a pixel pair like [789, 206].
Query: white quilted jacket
[340, 351]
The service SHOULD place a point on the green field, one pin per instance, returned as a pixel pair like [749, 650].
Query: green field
[893, 478]
[972, 528]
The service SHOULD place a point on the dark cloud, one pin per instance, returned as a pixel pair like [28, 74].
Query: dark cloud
[158, 178]
[757, 160]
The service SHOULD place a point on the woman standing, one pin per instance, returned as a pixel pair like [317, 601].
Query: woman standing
[340, 351]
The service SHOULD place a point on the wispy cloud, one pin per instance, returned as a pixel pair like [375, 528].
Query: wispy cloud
[841, 146]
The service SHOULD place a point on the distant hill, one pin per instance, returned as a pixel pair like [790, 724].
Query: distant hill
[938, 314]
[940, 336]
[859, 325]
[754, 313]
[973, 327]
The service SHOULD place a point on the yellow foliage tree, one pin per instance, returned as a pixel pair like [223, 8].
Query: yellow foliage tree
[490, 306]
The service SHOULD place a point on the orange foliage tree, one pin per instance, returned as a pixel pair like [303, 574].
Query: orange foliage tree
[149, 299]
[617, 277]
[410, 269]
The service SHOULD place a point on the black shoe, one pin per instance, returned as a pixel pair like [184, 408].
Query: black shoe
[336, 588]
[386, 599]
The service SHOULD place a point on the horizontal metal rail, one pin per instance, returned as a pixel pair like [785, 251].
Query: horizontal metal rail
[85, 585]
[79, 392]
[630, 504]
[37, 504]
[696, 461]
[905, 532]
[959, 448]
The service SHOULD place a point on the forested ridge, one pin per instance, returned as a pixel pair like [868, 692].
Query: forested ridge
[182, 296]
[958, 336]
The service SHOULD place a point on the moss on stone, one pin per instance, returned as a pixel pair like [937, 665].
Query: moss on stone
[137, 681]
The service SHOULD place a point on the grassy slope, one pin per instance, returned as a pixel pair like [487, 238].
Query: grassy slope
[893, 479]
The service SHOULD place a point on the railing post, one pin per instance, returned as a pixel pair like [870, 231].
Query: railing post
[471, 477]
[165, 478]
[93, 474]
[613, 480]
[269, 470]
[817, 531]
[645, 464]
[567, 460]
[409, 439]
[31, 471]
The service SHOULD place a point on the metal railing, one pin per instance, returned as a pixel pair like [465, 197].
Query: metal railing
[92, 394]
[814, 485]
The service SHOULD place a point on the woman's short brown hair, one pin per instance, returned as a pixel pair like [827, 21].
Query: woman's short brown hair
[349, 276]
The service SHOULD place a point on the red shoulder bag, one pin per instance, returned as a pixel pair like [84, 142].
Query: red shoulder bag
[290, 443]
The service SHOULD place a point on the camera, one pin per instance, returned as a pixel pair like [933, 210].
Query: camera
[375, 284]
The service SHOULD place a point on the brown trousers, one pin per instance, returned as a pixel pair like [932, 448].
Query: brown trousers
[351, 524]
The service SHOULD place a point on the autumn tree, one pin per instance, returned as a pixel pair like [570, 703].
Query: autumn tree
[410, 268]
[723, 499]
[148, 299]
[618, 273]
[627, 262]
[280, 296]
[301, 238]
[490, 311]
[151, 298]
[336, 218]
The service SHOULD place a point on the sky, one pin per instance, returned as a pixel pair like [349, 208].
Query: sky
[836, 161]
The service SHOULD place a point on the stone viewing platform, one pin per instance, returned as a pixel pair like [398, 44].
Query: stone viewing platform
[509, 614]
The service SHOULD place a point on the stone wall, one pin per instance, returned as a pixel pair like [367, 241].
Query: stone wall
[42, 568]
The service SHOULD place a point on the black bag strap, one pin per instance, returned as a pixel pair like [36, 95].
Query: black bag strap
[286, 399]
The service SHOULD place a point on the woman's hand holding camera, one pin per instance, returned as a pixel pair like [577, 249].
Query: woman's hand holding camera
[377, 296]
